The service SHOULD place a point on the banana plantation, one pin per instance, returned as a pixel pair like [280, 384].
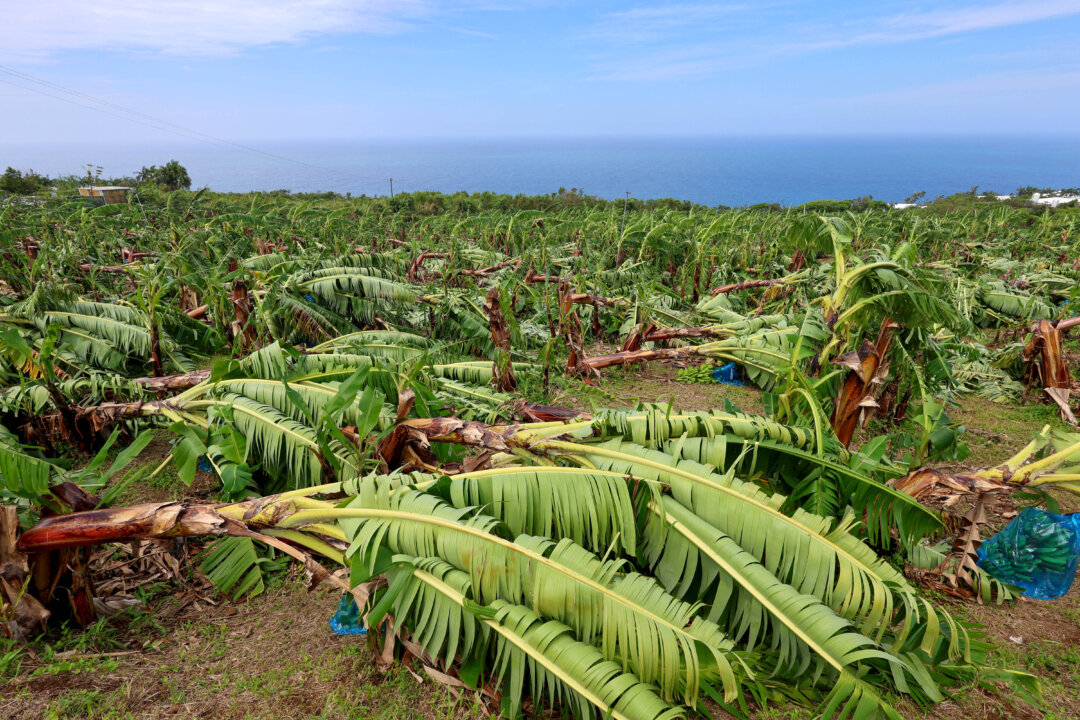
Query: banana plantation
[375, 388]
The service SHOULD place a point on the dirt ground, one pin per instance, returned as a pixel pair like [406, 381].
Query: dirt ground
[271, 657]
[274, 657]
[626, 387]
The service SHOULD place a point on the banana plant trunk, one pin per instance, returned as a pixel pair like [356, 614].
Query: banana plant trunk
[24, 615]
[744, 285]
[1047, 366]
[54, 582]
[503, 368]
[868, 371]
[183, 381]
[662, 334]
[242, 307]
[570, 331]
[147, 521]
[631, 357]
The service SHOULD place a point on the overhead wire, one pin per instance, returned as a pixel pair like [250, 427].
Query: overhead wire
[125, 113]
[98, 109]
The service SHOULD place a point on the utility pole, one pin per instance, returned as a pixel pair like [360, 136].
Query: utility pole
[627, 200]
[391, 187]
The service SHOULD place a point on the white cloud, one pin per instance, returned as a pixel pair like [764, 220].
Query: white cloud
[41, 28]
[943, 22]
[950, 21]
[683, 40]
[649, 23]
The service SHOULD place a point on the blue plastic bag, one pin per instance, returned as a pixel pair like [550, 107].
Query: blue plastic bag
[728, 374]
[1037, 551]
[347, 620]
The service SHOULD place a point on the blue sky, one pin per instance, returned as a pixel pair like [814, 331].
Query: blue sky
[249, 70]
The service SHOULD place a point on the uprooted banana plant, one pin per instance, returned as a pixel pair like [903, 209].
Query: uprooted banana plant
[616, 563]
[29, 484]
[1049, 460]
[1023, 470]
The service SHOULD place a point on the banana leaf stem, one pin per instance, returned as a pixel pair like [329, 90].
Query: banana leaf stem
[308, 541]
[1025, 473]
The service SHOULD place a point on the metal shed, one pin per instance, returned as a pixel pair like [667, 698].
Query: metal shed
[110, 195]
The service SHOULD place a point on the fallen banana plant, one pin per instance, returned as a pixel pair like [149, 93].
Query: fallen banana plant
[955, 571]
[630, 564]
[764, 353]
[604, 573]
[1023, 470]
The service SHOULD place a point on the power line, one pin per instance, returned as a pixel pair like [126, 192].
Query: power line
[145, 116]
[98, 109]
[125, 113]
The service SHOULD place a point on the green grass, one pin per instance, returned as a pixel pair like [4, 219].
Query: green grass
[995, 432]
[625, 387]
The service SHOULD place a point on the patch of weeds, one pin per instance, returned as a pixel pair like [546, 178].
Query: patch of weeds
[532, 389]
[146, 593]
[166, 483]
[177, 696]
[99, 636]
[52, 664]
[1052, 715]
[167, 479]
[784, 712]
[404, 686]
[1072, 613]
[72, 649]
[214, 633]
[75, 704]
[584, 396]
[1052, 657]
[1037, 415]
[146, 626]
[11, 656]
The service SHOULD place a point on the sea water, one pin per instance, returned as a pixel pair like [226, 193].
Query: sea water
[731, 171]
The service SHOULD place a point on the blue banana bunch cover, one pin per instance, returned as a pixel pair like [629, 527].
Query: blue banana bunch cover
[729, 374]
[1037, 551]
[347, 620]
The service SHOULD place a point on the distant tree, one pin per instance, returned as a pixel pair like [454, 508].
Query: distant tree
[915, 197]
[18, 183]
[171, 176]
[862, 203]
[93, 174]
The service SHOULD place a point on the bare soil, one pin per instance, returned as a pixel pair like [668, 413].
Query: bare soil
[273, 656]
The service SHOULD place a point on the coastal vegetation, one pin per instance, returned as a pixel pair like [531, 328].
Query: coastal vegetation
[413, 398]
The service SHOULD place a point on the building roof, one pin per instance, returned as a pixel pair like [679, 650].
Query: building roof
[108, 187]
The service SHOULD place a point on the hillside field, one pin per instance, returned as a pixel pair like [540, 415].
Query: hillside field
[494, 422]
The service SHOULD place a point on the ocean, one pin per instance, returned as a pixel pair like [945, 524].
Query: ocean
[710, 171]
